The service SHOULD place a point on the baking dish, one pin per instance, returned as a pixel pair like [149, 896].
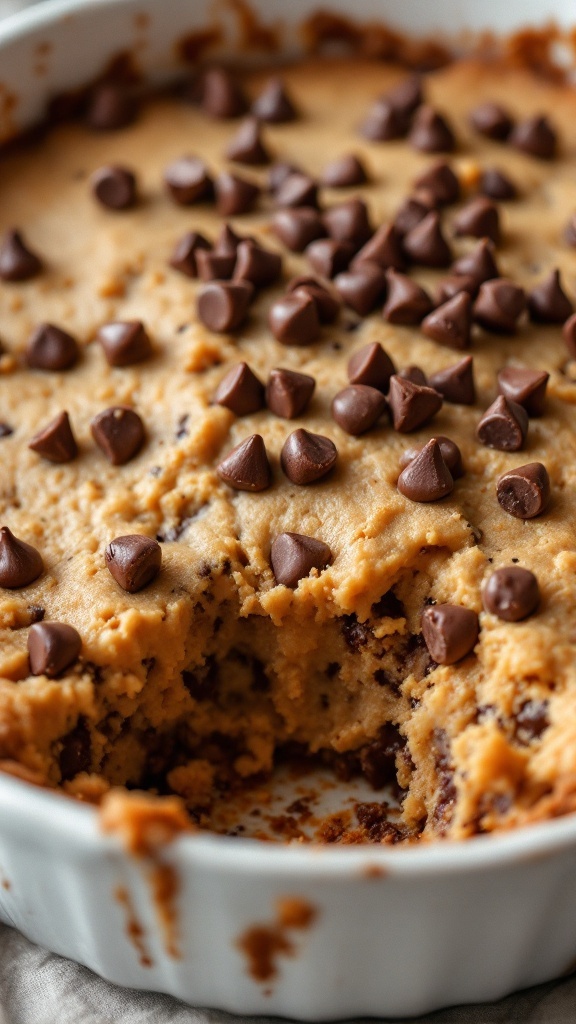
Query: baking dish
[305, 932]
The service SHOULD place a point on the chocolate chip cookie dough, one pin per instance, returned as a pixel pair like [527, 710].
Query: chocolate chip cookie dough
[287, 443]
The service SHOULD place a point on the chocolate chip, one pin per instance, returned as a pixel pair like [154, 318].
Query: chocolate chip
[274, 104]
[492, 120]
[288, 393]
[412, 211]
[183, 257]
[524, 492]
[413, 373]
[328, 257]
[456, 382]
[479, 264]
[293, 319]
[425, 244]
[215, 266]
[114, 187]
[454, 285]
[52, 648]
[246, 467]
[75, 755]
[496, 185]
[293, 556]
[296, 228]
[430, 132]
[406, 96]
[383, 123]
[450, 453]
[441, 182]
[426, 477]
[357, 408]
[297, 190]
[384, 249]
[498, 306]
[361, 287]
[5, 429]
[450, 632]
[259, 266]
[20, 563]
[411, 405]
[407, 302]
[570, 231]
[56, 442]
[240, 390]
[307, 457]
[247, 147]
[17, 261]
[124, 342]
[535, 136]
[480, 219]
[349, 222]
[343, 172]
[222, 96]
[111, 107]
[450, 324]
[51, 348]
[372, 366]
[569, 335]
[511, 593]
[134, 561]
[504, 426]
[327, 302]
[223, 305]
[234, 195]
[188, 181]
[119, 433]
[228, 241]
[524, 386]
[548, 303]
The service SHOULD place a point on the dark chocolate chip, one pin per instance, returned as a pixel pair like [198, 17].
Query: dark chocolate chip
[274, 104]
[56, 442]
[228, 241]
[361, 287]
[524, 492]
[426, 477]
[535, 136]
[371, 365]
[222, 96]
[247, 146]
[234, 195]
[20, 563]
[570, 231]
[183, 257]
[246, 467]
[259, 266]
[407, 302]
[548, 303]
[357, 408]
[456, 383]
[349, 222]
[454, 285]
[125, 342]
[412, 211]
[450, 324]
[134, 561]
[496, 185]
[187, 180]
[430, 132]
[384, 249]
[413, 373]
[511, 593]
[307, 457]
[383, 123]
[441, 182]
[411, 405]
[278, 173]
[569, 335]
[343, 172]
[114, 187]
[111, 107]
[407, 96]
[5, 429]
[524, 386]
[479, 264]
[480, 219]
[504, 426]
[328, 257]
[498, 306]
[119, 433]
[425, 244]
[17, 261]
[293, 556]
[52, 648]
[327, 302]
[215, 266]
[450, 632]
[297, 227]
[288, 393]
[293, 319]
[222, 305]
[492, 120]
[51, 348]
[450, 453]
[297, 190]
[240, 390]
[76, 753]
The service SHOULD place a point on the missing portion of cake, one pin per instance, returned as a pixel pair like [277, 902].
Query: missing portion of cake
[282, 511]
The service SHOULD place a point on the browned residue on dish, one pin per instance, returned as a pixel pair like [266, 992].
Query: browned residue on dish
[373, 871]
[263, 944]
[192, 47]
[254, 34]
[134, 929]
[371, 39]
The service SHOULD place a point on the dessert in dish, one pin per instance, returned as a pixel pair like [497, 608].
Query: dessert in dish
[287, 448]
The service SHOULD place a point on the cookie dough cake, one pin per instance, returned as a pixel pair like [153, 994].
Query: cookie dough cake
[287, 442]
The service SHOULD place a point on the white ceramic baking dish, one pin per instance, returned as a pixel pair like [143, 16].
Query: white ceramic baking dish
[391, 932]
